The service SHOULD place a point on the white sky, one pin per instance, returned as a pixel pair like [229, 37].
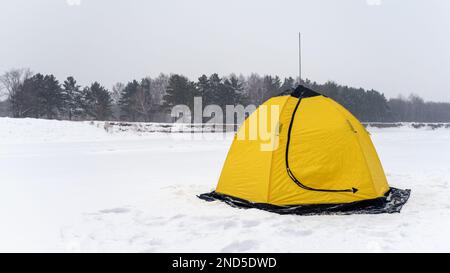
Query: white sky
[394, 46]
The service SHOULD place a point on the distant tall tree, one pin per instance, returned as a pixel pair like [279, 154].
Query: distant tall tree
[376, 107]
[11, 81]
[418, 111]
[127, 101]
[158, 90]
[234, 91]
[288, 83]
[136, 100]
[144, 99]
[209, 88]
[117, 92]
[204, 90]
[72, 97]
[39, 96]
[179, 91]
[254, 89]
[51, 98]
[97, 102]
[24, 100]
[271, 86]
[216, 90]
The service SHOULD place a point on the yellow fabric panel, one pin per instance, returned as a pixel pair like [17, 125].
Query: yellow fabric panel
[246, 172]
[379, 180]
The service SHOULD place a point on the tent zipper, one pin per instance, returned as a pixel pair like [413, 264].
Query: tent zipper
[290, 173]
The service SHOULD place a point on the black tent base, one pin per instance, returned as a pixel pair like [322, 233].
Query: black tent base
[392, 202]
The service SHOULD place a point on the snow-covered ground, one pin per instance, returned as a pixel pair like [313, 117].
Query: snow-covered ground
[72, 186]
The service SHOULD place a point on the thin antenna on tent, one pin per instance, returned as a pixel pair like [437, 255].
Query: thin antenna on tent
[299, 57]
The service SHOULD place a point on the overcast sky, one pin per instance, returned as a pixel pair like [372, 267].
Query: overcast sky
[394, 46]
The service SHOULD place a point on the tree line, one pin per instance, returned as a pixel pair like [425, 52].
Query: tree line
[150, 99]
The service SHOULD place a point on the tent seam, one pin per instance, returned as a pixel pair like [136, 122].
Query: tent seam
[271, 156]
[359, 145]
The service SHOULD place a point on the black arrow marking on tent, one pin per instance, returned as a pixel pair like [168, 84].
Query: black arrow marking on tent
[290, 173]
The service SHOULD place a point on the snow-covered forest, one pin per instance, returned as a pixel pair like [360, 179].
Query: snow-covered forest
[28, 94]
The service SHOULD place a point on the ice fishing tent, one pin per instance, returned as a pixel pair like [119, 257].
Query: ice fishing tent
[317, 158]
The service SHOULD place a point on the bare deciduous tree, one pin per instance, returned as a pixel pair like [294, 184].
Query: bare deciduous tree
[12, 79]
[117, 91]
[143, 100]
[158, 90]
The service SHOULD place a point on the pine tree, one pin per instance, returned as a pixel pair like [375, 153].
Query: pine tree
[215, 95]
[97, 102]
[72, 98]
[39, 96]
[179, 91]
[271, 86]
[24, 100]
[234, 92]
[288, 84]
[127, 101]
[203, 89]
[51, 97]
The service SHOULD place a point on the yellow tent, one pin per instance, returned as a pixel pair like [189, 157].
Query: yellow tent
[304, 153]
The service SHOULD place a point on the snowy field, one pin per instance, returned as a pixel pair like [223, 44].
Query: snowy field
[72, 186]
